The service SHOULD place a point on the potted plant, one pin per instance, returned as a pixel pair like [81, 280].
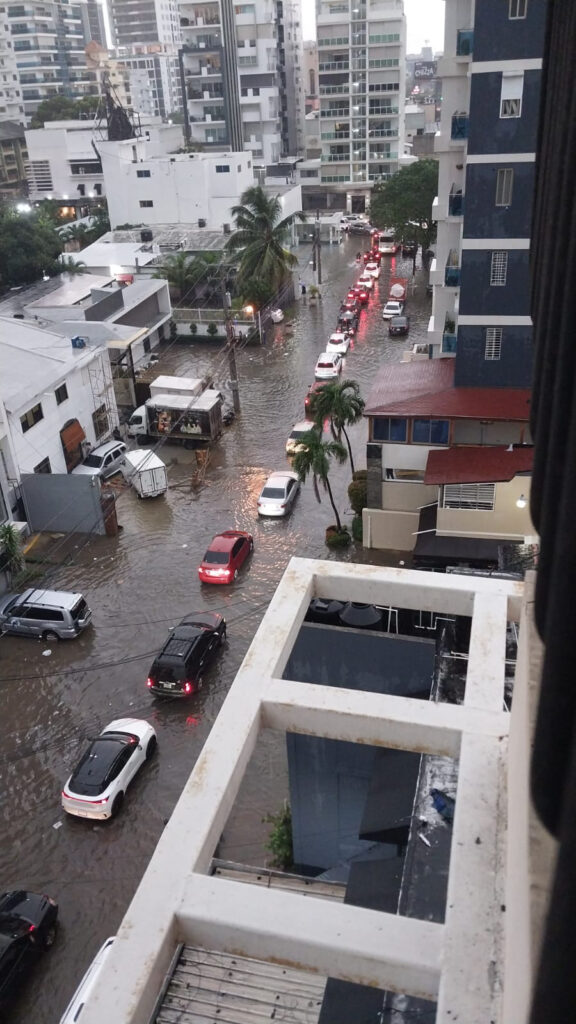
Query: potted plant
[193, 328]
[212, 329]
[313, 293]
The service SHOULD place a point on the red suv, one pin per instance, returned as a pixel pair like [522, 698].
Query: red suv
[225, 556]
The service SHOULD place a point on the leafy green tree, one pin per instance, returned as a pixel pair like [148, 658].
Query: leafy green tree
[99, 221]
[72, 266]
[29, 248]
[62, 108]
[404, 202]
[49, 211]
[79, 233]
[259, 242]
[340, 402]
[315, 458]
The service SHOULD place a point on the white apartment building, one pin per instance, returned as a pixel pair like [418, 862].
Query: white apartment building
[242, 68]
[144, 21]
[45, 383]
[152, 78]
[361, 71]
[48, 41]
[167, 187]
[11, 104]
[63, 163]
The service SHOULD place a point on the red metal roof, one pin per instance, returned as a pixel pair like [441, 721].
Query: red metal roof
[471, 464]
[426, 388]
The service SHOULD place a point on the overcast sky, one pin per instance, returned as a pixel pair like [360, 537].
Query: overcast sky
[424, 19]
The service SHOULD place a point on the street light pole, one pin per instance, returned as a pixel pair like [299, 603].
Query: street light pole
[317, 250]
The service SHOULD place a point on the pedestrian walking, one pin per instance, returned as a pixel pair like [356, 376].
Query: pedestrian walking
[303, 289]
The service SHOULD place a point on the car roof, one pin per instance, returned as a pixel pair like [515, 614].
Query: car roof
[399, 320]
[275, 478]
[201, 619]
[327, 357]
[50, 598]
[103, 449]
[226, 540]
[303, 425]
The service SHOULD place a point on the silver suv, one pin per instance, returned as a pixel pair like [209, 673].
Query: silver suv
[49, 614]
[104, 461]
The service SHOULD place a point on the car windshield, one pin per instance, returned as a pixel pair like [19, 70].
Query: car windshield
[273, 492]
[217, 557]
[94, 460]
[79, 610]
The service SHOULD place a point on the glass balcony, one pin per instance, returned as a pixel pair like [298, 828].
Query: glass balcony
[449, 343]
[459, 129]
[334, 65]
[456, 204]
[451, 276]
[464, 42]
[334, 90]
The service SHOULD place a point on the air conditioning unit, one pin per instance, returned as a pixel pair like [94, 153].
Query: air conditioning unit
[78, 342]
[226, 229]
[146, 235]
[202, 223]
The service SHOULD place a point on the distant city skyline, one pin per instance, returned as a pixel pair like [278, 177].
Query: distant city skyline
[424, 21]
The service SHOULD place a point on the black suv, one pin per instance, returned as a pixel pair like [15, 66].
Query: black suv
[27, 926]
[177, 670]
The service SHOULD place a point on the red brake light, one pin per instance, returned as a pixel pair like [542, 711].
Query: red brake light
[149, 682]
[32, 928]
[187, 687]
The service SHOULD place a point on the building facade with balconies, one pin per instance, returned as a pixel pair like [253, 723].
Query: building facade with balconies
[241, 67]
[486, 145]
[11, 104]
[48, 42]
[361, 75]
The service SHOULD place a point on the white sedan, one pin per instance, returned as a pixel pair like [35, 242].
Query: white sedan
[373, 269]
[366, 281]
[97, 785]
[392, 308]
[278, 494]
[329, 366]
[339, 342]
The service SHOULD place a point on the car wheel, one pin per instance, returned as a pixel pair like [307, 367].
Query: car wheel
[49, 936]
[49, 635]
[251, 547]
[117, 805]
[223, 637]
[235, 574]
[151, 748]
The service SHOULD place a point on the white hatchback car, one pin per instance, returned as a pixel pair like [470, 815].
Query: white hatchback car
[85, 988]
[278, 494]
[97, 785]
[338, 342]
[329, 366]
[392, 308]
[293, 444]
[372, 268]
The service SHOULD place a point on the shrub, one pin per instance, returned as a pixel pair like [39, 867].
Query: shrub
[279, 843]
[337, 538]
[357, 528]
[358, 494]
[212, 329]
[193, 329]
[360, 474]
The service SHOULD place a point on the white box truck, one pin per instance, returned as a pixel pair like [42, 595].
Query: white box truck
[146, 472]
[181, 410]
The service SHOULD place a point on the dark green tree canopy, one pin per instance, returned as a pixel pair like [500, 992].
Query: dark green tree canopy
[62, 108]
[404, 202]
[340, 402]
[29, 247]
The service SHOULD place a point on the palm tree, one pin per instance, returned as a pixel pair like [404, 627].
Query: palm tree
[315, 457]
[259, 240]
[183, 271]
[77, 233]
[72, 266]
[340, 402]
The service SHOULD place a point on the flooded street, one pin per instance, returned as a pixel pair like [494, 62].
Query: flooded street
[138, 585]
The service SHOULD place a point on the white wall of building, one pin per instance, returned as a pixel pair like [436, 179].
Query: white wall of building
[61, 158]
[186, 187]
[11, 103]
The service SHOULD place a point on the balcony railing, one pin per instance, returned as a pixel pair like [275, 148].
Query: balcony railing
[391, 62]
[340, 112]
[459, 128]
[334, 90]
[335, 158]
[464, 42]
[327, 136]
[338, 41]
[449, 343]
[456, 203]
[334, 65]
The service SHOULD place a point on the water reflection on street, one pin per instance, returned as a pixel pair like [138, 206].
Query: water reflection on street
[138, 585]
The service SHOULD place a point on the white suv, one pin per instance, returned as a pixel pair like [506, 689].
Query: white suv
[104, 461]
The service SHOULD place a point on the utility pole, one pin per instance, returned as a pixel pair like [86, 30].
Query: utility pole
[317, 250]
[230, 342]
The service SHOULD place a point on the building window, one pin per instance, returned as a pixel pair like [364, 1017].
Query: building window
[517, 9]
[470, 496]
[142, 174]
[146, 203]
[100, 421]
[430, 431]
[389, 429]
[493, 343]
[43, 467]
[34, 415]
[504, 183]
[61, 394]
[511, 95]
[498, 268]
[222, 168]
